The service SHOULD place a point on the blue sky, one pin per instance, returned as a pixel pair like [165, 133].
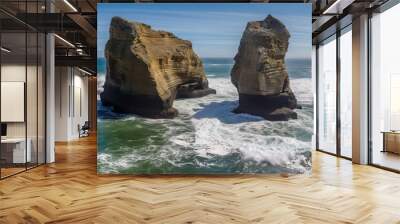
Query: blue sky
[214, 29]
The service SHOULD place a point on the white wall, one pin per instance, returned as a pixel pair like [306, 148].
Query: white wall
[62, 81]
[34, 125]
[12, 73]
[385, 74]
[81, 104]
[17, 73]
[71, 102]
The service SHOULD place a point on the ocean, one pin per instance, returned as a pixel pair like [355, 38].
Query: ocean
[206, 137]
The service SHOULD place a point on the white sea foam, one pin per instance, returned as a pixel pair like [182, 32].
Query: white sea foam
[219, 132]
[100, 82]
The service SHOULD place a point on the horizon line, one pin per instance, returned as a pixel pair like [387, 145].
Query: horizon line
[308, 58]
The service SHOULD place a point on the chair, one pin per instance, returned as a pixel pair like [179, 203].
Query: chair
[84, 130]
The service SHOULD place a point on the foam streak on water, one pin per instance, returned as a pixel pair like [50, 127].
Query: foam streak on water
[220, 132]
[207, 137]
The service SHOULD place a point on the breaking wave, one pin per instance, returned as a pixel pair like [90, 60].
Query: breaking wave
[207, 137]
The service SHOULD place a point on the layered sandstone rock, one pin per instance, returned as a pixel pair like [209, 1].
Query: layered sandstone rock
[260, 73]
[148, 69]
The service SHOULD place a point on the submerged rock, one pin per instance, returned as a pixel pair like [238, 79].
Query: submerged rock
[148, 69]
[259, 73]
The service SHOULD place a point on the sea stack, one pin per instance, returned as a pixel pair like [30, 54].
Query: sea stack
[259, 73]
[148, 69]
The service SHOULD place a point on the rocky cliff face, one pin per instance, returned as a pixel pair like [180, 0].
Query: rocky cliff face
[260, 73]
[148, 69]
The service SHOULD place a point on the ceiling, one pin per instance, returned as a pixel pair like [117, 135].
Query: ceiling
[75, 21]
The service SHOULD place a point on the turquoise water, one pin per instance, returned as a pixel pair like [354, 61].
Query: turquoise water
[207, 137]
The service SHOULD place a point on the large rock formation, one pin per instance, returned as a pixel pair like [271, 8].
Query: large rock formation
[148, 69]
[260, 74]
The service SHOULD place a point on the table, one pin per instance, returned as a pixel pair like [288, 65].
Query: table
[13, 150]
[391, 141]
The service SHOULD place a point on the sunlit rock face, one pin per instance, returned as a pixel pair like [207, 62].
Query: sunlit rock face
[259, 73]
[148, 69]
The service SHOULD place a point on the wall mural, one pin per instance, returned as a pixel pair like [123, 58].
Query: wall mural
[204, 88]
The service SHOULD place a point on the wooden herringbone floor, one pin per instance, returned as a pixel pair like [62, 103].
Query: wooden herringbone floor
[70, 191]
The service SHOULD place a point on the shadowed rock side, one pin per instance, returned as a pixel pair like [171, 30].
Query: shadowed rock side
[260, 73]
[148, 69]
